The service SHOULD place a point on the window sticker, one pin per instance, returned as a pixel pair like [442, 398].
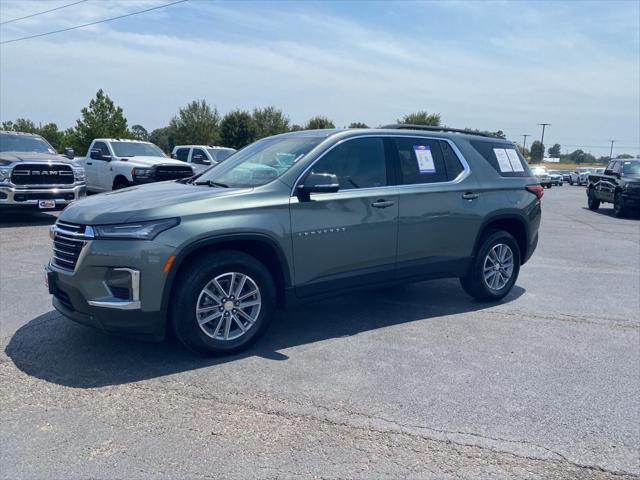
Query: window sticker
[503, 160]
[425, 159]
[516, 164]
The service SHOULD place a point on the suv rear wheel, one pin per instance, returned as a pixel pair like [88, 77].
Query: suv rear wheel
[592, 202]
[223, 303]
[495, 268]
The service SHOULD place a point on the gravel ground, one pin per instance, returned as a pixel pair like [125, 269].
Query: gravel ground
[416, 381]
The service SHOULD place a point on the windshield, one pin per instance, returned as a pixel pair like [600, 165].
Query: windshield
[261, 162]
[133, 149]
[631, 168]
[220, 154]
[10, 142]
[584, 170]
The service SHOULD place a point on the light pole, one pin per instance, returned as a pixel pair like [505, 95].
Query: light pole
[611, 152]
[524, 143]
[543, 125]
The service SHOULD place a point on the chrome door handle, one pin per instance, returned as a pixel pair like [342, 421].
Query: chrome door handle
[470, 195]
[382, 204]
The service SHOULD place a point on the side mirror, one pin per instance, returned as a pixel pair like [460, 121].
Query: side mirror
[97, 154]
[201, 159]
[69, 153]
[318, 183]
[174, 156]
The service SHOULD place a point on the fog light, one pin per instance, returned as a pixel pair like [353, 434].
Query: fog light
[123, 284]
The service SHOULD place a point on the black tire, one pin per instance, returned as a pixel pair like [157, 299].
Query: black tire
[189, 285]
[120, 182]
[474, 283]
[618, 206]
[592, 202]
[571, 182]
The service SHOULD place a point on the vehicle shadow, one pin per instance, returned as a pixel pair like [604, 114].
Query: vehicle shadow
[608, 212]
[26, 218]
[52, 348]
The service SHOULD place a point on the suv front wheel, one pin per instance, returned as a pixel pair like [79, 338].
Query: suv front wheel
[495, 268]
[223, 303]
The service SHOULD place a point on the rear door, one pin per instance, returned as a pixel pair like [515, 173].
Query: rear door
[348, 238]
[439, 209]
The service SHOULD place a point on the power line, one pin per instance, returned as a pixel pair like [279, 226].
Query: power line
[93, 23]
[42, 13]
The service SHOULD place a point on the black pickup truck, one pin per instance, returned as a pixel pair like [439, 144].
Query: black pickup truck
[619, 184]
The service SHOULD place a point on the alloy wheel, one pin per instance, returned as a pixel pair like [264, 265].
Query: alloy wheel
[228, 306]
[498, 266]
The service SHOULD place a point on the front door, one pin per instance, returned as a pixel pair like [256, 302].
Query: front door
[348, 238]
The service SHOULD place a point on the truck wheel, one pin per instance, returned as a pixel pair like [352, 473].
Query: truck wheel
[618, 206]
[571, 182]
[120, 182]
[223, 302]
[495, 267]
[592, 202]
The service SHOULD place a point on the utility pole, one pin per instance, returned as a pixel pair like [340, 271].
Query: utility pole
[543, 125]
[524, 143]
[611, 152]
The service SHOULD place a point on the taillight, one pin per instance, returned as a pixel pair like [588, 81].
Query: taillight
[537, 190]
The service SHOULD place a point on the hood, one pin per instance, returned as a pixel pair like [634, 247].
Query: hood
[16, 157]
[146, 202]
[144, 161]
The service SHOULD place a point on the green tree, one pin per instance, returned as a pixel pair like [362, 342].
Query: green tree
[624, 156]
[525, 152]
[54, 136]
[554, 152]
[269, 121]
[537, 151]
[319, 122]
[140, 133]
[164, 138]
[421, 118]
[577, 156]
[237, 129]
[358, 125]
[296, 128]
[197, 123]
[20, 125]
[101, 119]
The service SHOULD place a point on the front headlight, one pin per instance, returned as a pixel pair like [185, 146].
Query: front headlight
[142, 173]
[5, 174]
[79, 174]
[135, 231]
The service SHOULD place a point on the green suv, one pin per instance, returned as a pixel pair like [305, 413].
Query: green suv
[291, 218]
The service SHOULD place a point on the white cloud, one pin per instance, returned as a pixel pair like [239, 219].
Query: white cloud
[347, 70]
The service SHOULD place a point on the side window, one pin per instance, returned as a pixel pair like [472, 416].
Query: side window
[420, 161]
[102, 147]
[182, 154]
[199, 157]
[616, 167]
[451, 161]
[358, 163]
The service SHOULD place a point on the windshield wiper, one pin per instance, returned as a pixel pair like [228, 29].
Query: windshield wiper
[211, 183]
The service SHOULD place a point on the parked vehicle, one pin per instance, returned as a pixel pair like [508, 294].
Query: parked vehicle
[34, 175]
[566, 175]
[543, 176]
[556, 177]
[113, 163]
[580, 176]
[291, 218]
[201, 157]
[618, 184]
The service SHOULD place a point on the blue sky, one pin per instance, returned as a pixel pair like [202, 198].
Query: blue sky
[488, 65]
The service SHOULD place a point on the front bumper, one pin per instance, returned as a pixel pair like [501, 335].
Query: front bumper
[84, 296]
[29, 197]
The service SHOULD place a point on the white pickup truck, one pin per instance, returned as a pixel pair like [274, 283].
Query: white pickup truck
[113, 163]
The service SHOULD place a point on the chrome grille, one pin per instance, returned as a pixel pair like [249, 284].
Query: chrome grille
[42, 174]
[68, 241]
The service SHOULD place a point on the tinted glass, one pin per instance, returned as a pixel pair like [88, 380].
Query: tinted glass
[199, 157]
[631, 168]
[262, 161]
[220, 154]
[102, 147]
[451, 161]
[487, 149]
[420, 161]
[358, 163]
[10, 142]
[132, 149]
[182, 154]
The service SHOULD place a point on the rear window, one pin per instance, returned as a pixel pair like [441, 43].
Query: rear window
[503, 157]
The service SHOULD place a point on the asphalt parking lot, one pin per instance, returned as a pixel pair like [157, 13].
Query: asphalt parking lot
[415, 381]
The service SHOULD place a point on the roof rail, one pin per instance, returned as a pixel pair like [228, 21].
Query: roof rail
[430, 128]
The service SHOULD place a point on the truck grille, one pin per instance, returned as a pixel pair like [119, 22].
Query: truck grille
[68, 242]
[42, 174]
[170, 172]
